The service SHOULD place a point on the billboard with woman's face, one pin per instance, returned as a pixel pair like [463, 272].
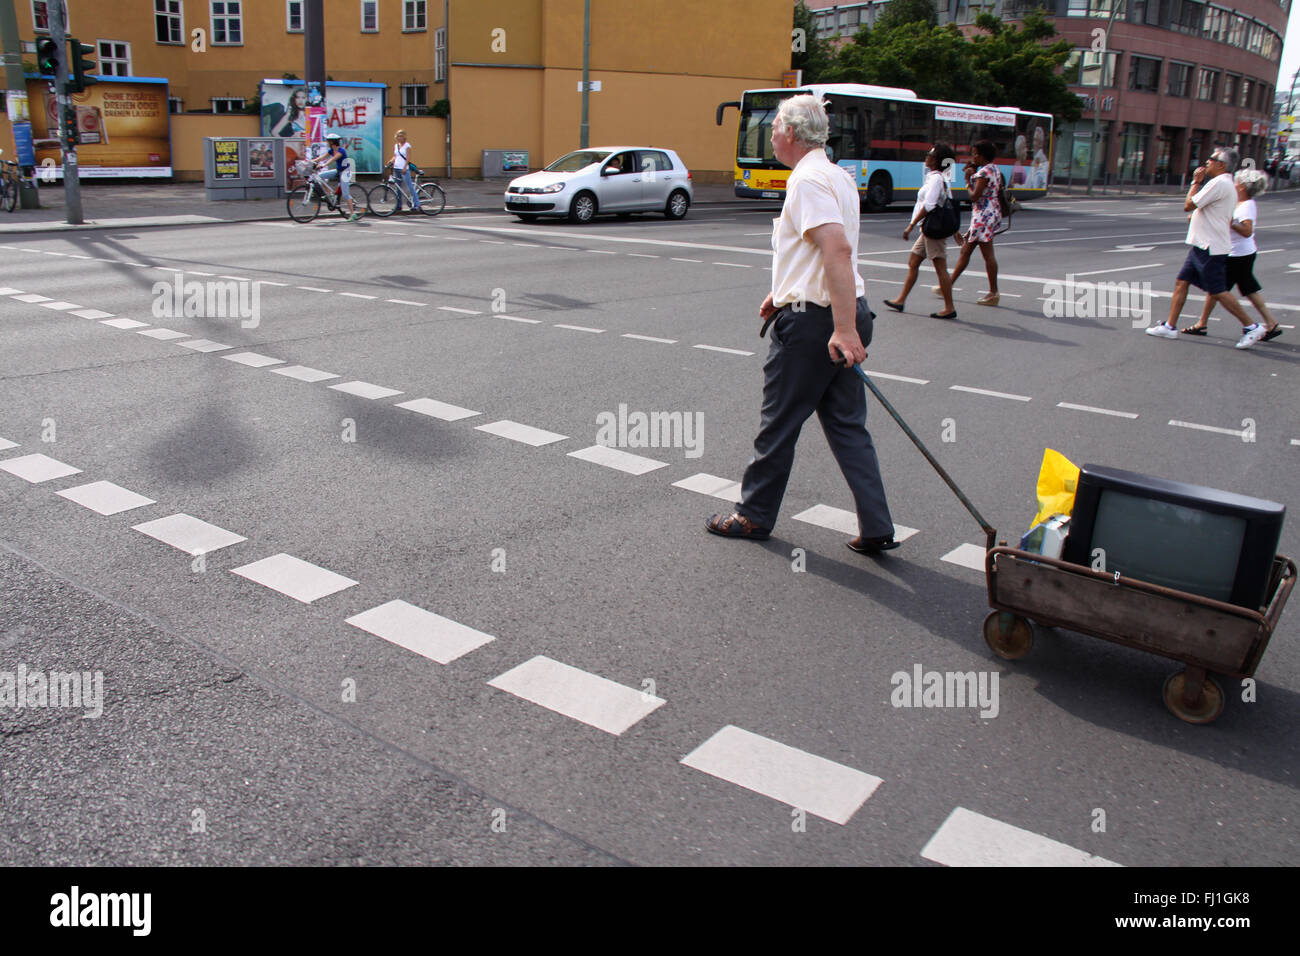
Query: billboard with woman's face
[292, 109]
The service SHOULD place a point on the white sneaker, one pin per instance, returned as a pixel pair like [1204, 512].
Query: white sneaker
[1163, 330]
[1251, 336]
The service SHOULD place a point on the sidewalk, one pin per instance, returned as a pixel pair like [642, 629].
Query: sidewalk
[109, 205]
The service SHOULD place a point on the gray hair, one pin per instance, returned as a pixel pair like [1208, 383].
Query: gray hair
[805, 116]
[1253, 181]
[1231, 158]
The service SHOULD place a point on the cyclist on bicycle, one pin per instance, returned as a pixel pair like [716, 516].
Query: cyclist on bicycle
[402, 170]
[342, 171]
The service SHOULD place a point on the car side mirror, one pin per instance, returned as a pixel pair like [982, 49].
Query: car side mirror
[610, 171]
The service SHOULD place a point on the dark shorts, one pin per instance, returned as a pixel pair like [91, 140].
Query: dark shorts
[1241, 273]
[1205, 271]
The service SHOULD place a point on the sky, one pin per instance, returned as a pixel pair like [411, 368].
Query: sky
[1290, 50]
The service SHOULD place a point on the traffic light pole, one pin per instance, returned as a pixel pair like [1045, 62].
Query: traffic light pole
[71, 179]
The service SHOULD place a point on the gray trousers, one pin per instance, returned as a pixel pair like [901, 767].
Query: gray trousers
[799, 379]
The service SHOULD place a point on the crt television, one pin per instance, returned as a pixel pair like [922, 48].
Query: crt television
[1217, 544]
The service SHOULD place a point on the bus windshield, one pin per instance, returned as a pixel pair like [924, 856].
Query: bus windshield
[575, 161]
[754, 143]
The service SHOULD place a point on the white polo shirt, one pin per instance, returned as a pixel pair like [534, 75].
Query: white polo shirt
[817, 192]
[1244, 245]
[1215, 202]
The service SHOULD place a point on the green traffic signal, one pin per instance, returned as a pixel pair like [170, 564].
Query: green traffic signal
[47, 56]
[79, 66]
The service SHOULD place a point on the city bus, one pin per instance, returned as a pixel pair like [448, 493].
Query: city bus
[880, 135]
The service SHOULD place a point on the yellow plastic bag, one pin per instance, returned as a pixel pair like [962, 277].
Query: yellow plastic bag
[1058, 479]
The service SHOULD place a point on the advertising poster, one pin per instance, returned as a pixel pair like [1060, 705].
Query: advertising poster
[353, 110]
[122, 122]
[225, 158]
[261, 161]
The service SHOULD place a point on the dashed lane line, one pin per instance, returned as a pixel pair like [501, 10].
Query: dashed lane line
[188, 534]
[165, 335]
[35, 469]
[967, 838]
[525, 434]
[719, 348]
[579, 328]
[520, 318]
[452, 308]
[1235, 432]
[105, 497]
[91, 314]
[786, 774]
[967, 556]
[1097, 411]
[405, 302]
[251, 359]
[837, 519]
[306, 288]
[649, 338]
[992, 394]
[706, 484]
[439, 410]
[900, 378]
[366, 390]
[303, 373]
[618, 460]
[203, 345]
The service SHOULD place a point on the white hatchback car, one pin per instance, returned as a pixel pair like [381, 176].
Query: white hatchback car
[613, 179]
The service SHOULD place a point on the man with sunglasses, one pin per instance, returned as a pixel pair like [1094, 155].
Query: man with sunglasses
[1211, 204]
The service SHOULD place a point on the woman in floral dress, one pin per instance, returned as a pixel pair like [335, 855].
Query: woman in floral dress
[986, 212]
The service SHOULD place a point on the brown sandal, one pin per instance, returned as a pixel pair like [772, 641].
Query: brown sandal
[736, 525]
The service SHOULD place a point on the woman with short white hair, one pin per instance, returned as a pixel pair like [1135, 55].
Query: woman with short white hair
[804, 116]
[1241, 260]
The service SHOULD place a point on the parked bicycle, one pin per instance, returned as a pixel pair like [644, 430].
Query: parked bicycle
[383, 199]
[304, 201]
[8, 184]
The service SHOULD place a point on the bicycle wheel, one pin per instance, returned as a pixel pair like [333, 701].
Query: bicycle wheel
[303, 204]
[382, 200]
[10, 198]
[432, 199]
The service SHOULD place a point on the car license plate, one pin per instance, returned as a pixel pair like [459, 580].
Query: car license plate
[771, 195]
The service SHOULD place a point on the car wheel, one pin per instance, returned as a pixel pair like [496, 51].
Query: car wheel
[677, 205]
[583, 208]
[527, 216]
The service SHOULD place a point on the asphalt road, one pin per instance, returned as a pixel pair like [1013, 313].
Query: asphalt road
[305, 738]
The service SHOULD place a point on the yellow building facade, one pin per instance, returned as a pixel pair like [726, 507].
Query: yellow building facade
[511, 69]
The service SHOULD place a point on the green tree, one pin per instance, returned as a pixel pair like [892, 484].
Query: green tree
[808, 52]
[898, 12]
[1024, 66]
[933, 61]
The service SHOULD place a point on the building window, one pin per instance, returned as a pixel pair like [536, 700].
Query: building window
[1187, 16]
[227, 23]
[1207, 86]
[175, 104]
[415, 99]
[227, 104]
[1255, 37]
[1229, 89]
[114, 58]
[1096, 9]
[440, 55]
[414, 16]
[1095, 66]
[293, 16]
[41, 16]
[1144, 74]
[1237, 31]
[369, 16]
[1247, 87]
[168, 21]
[1179, 79]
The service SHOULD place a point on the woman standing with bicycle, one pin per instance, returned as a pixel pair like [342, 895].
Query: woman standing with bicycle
[402, 170]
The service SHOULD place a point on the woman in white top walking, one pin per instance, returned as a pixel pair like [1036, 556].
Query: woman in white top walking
[1241, 260]
[402, 170]
[932, 192]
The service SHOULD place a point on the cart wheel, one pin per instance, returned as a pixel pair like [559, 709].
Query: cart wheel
[1009, 635]
[1204, 710]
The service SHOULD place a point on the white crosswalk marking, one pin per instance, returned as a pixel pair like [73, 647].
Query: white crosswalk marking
[366, 390]
[188, 534]
[294, 577]
[5, 443]
[252, 359]
[837, 519]
[575, 693]
[123, 323]
[967, 556]
[303, 373]
[32, 297]
[435, 409]
[526, 434]
[91, 314]
[823, 787]
[972, 839]
[164, 335]
[427, 634]
[37, 468]
[60, 306]
[706, 484]
[203, 345]
[618, 460]
[105, 498]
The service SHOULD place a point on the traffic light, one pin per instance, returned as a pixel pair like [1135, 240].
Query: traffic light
[68, 132]
[47, 56]
[78, 66]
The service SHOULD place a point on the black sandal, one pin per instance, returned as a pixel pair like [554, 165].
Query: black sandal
[894, 305]
[1193, 330]
[736, 525]
[944, 315]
